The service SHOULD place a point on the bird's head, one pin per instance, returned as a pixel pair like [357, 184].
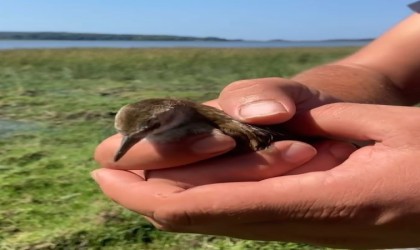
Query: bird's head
[149, 117]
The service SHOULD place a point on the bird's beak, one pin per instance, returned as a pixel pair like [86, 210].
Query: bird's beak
[126, 143]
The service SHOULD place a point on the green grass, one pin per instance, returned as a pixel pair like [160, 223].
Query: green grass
[55, 107]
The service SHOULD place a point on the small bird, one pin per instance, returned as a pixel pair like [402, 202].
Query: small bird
[167, 120]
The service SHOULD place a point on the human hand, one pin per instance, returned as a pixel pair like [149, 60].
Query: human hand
[286, 95]
[369, 201]
[279, 159]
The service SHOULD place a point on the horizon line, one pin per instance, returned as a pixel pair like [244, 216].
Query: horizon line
[181, 36]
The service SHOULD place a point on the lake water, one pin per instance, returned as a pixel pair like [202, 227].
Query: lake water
[37, 44]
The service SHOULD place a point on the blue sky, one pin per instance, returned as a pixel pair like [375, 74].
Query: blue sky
[245, 19]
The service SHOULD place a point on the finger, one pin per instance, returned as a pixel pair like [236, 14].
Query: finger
[235, 203]
[330, 155]
[358, 121]
[278, 159]
[281, 198]
[146, 155]
[282, 157]
[267, 100]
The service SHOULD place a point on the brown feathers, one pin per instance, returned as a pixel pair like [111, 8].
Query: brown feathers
[166, 120]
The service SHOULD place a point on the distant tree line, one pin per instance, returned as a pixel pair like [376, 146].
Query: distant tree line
[93, 36]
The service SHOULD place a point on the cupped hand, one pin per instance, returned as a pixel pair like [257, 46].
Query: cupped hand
[257, 101]
[371, 200]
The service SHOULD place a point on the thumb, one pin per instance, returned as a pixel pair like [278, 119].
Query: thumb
[258, 101]
[268, 101]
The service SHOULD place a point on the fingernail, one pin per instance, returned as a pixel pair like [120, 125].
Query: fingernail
[298, 153]
[261, 108]
[216, 143]
[94, 175]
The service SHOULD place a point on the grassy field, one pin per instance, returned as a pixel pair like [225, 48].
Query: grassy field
[56, 105]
